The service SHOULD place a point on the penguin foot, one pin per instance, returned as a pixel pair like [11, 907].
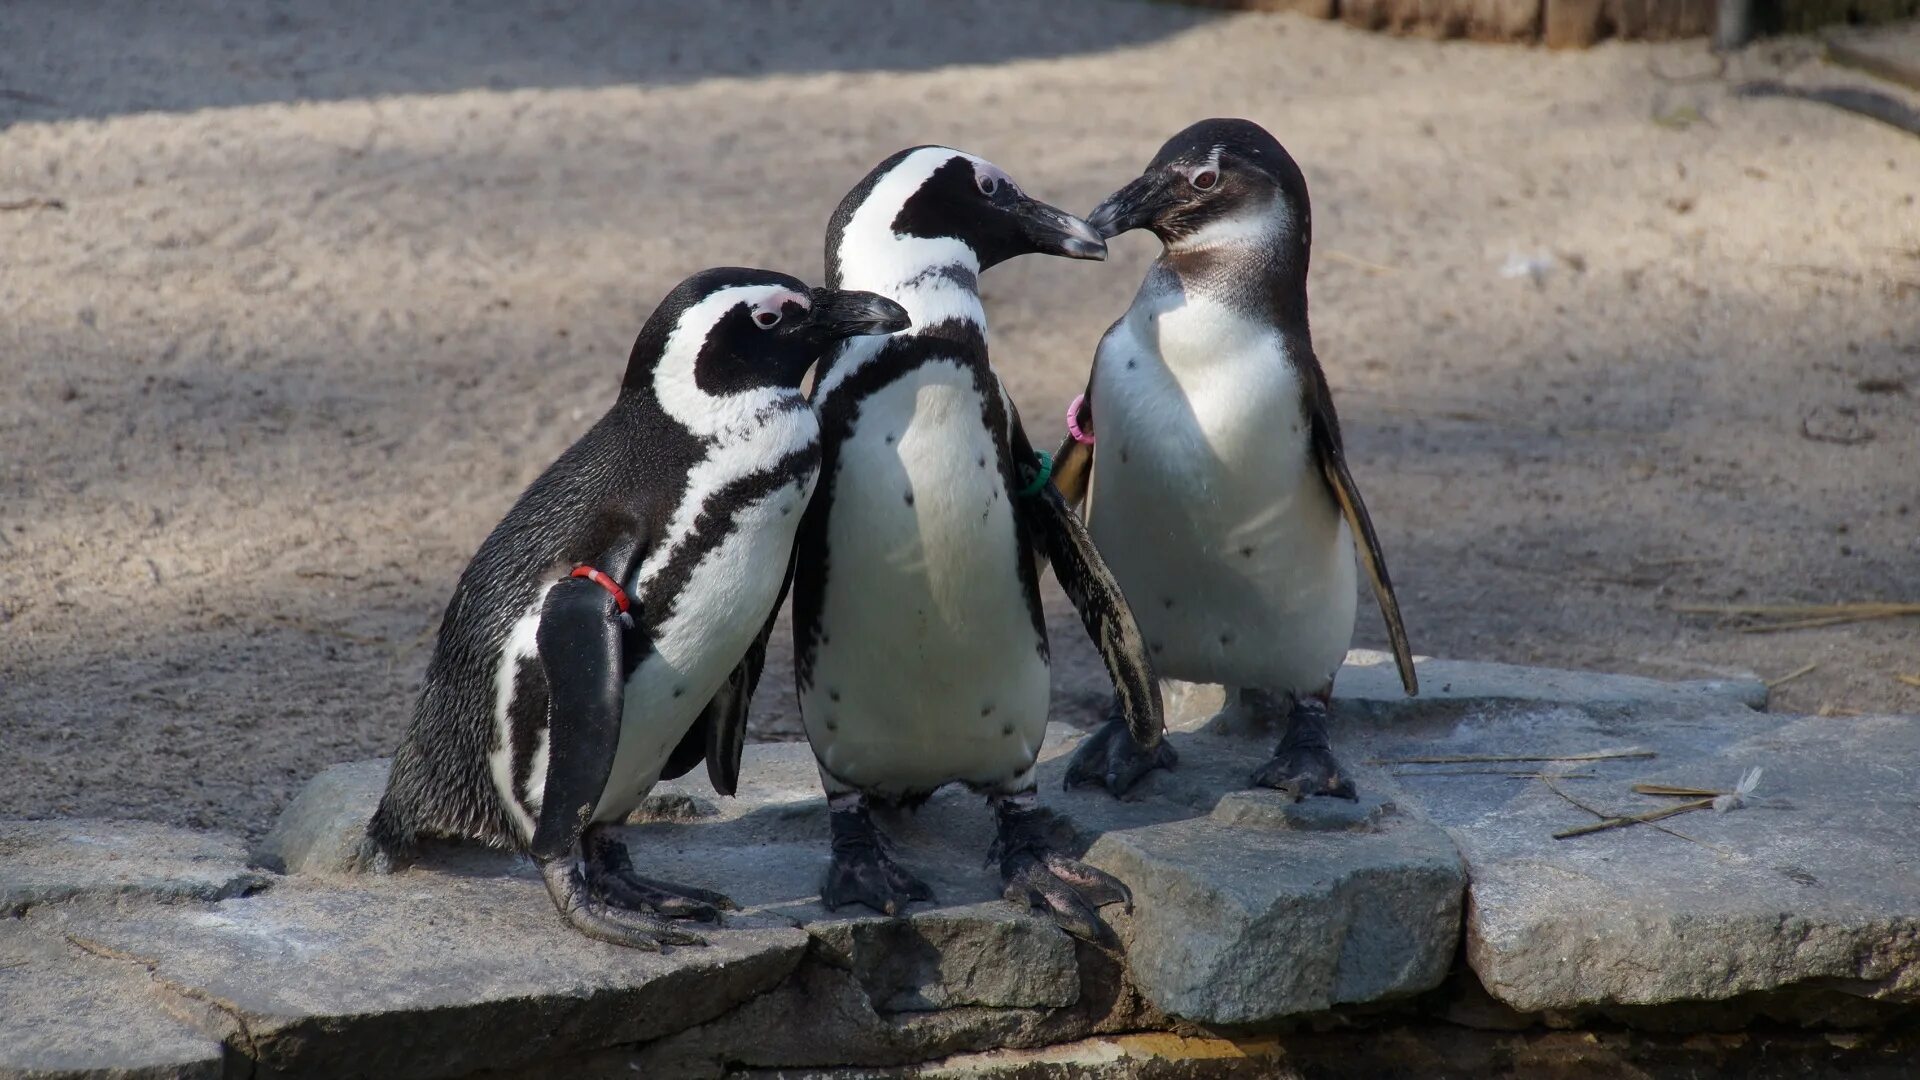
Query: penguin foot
[572, 897]
[1303, 764]
[1037, 874]
[1110, 758]
[610, 877]
[862, 870]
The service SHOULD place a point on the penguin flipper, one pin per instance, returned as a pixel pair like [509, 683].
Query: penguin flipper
[1333, 465]
[582, 644]
[1084, 576]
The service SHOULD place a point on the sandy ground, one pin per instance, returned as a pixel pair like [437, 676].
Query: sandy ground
[331, 282]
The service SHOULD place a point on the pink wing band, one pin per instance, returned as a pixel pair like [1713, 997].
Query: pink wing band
[1073, 422]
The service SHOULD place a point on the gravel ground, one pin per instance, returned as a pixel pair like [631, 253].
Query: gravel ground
[294, 298]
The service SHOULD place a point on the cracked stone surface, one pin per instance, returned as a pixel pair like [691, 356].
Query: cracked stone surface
[1249, 908]
[48, 861]
[429, 972]
[1817, 882]
[66, 1013]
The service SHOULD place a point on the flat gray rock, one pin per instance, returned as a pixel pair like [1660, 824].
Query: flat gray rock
[1369, 687]
[1816, 884]
[67, 1013]
[1250, 907]
[44, 862]
[320, 831]
[429, 972]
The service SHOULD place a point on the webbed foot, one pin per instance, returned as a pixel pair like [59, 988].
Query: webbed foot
[575, 899]
[610, 877]
[862, 870]
[1111, 759]
[1038, 874]
[1303, 764]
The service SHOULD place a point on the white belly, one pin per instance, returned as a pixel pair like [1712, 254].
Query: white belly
[1209, 507]
[717, 615]
[928, 670]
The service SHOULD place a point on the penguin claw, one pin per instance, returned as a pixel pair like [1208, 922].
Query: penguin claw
[574, 898]
[1037, 874]
[610, 877]
[1301, 771]
[631, 892]
[1068, 893]
[603, 922]
[1110, 758]
[869, 877]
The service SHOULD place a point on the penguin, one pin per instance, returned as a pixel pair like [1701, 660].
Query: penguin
[1207, 453]
[921, 653]
[611, 629]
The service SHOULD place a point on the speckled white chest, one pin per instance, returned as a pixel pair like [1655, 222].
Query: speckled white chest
[1207, 503]
[928, 670]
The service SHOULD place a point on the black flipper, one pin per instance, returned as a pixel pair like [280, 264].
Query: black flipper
[583, 643]
[1333, 466]
[1084, 576]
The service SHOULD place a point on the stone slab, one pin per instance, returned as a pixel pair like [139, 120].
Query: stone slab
[823, 1017]
[1816, 884]
[66, 1013]
[45, 862]
[767, 849]
[429, 972]
[1368, 687]
[1306, 906]
[1248, 907]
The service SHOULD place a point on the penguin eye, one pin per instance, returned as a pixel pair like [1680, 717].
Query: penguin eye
[766, 320]
[1204, 179]
[988, 184]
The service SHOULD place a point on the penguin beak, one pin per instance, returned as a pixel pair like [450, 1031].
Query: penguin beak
[1052, 231]
[845, 313]
[1135, 206]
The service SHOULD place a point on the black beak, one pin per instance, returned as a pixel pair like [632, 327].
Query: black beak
[845, 313]
[1135, 206]
[1052, 231]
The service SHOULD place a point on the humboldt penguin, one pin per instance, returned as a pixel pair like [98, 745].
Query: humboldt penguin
[1207, 453]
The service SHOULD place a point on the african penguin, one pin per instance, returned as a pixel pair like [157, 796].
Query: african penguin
[920, 647]
[611, 629]
[1208, 453]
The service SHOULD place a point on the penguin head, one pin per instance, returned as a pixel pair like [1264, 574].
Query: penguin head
[932, 205]
[1218, 183]
[731, 331]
